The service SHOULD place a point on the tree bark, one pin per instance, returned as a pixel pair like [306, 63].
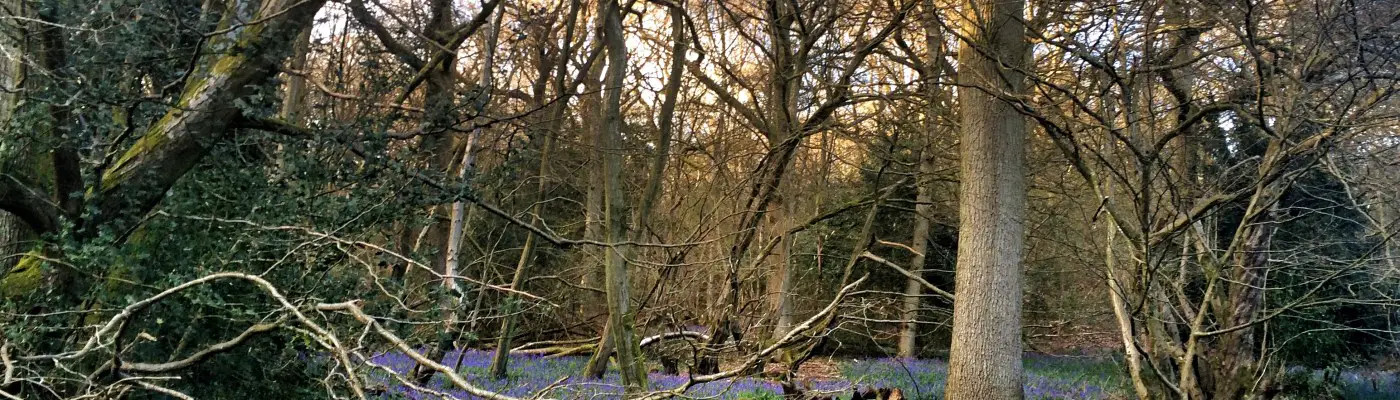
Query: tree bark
[294, 98]
[1233, 357]
[935, 96]
[14, 232]
[781, 279]
[439, 113]
[452, 263]
[1119, 281]
[617, 282]
[985, 358]
[595, 303]
[913, 289]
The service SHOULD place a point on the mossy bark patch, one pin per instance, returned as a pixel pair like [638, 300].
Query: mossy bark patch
[25, 277]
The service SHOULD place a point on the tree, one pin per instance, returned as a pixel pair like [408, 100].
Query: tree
[251, 199]
[937, 100]
[784, 121]
[13, 232]
[617, 283]
[985, 357]
[98, 151]
[1205, 172]
[133, 183]
[438, 74]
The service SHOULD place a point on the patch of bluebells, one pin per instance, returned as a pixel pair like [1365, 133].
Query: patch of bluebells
[1368, 385]
[529, 374]
[1047, 377]
[1344, 384]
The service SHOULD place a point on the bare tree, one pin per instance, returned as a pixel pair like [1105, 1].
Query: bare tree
[1200, 168]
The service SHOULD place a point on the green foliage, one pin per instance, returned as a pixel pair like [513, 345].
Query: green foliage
[1309, 384]
[1333, 238]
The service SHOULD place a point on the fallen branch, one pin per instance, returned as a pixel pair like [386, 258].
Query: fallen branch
[561, 348]
[100, 338]
[907, 273]
[692, 335]
[552, 343]
[361, 244]
[202, 354]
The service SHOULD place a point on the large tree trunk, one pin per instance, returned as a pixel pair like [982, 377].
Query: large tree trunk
[985, 358]
[14, 233]
[617, 282]
[594, 302]
[1233, 358]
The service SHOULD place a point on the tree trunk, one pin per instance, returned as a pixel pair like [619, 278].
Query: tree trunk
[597, 363]
[1119, 280]
[985, 358]
[452, 262]
[594, 305]
[780, 104]
[295, 97]
[913, 289]
[501, 359]
[935, 96]
[780, 280]
[13, 232]
[439, 106]
[1233, 358]
[617, 282]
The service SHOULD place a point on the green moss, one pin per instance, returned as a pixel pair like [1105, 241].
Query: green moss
[25, 277]
[157, 134]
[153, 138]
[225, 65]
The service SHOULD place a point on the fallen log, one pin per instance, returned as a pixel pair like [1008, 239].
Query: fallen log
[552, 343]
[561, 348]
[692, 335]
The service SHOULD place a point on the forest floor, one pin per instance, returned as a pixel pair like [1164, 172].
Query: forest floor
[1047, 377]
